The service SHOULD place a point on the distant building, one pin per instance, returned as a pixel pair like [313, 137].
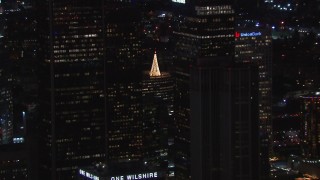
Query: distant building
[22, 47]
[6, 105]
[311, 125]
[224, 120]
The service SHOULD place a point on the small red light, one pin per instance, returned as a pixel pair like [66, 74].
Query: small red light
[237, 34]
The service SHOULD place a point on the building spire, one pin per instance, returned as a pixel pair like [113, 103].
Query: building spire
[155, 71]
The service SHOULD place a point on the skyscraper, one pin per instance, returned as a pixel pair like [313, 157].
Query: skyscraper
[123, 38]
[253, 46]
[72, 88]
[206, 29]
[224, 120]
[123, 84]
[157, 100]
[124, 116]
[139, 110]
[6, 104]
[22, 47]
[311, 124]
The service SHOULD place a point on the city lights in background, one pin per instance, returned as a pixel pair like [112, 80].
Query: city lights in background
[86, 82]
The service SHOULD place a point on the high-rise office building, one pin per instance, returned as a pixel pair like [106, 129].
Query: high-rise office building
[254, 46]
[311, 124]
[72, 88]
[157, 100]
[139, 110]
[19, 50]
[6, 104]
[123, 85]
[224, 120]
[123, 39]
[124, 120]
[205, 30]
[21, 47]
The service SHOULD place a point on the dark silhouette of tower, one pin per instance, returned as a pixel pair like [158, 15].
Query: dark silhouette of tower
[6, 103]
[224, 120]
[254, 47]
[72, 86]
[123, 74]
[204, 29]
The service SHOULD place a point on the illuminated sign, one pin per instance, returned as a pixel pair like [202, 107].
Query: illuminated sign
[148, 175]
[136, 176]
[88, 175]
[247, 34]
[179, 1]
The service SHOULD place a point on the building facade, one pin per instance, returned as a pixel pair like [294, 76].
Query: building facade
[72, 87]
[158, 110]
[254, 46]
[6, 104]
[311, 130]
[205, 30]
[124, 117]
[123, 78]
[224, 120]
